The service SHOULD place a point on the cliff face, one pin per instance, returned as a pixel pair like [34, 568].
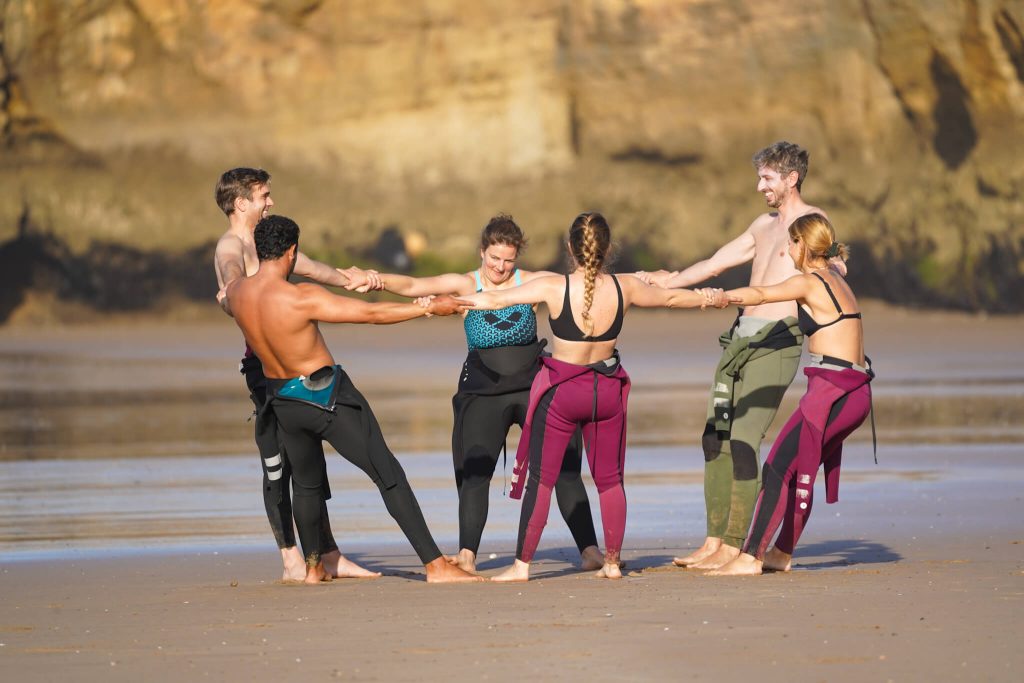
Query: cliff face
[650, 109]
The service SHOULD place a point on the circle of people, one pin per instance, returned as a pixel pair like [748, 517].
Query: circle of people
[570, 401]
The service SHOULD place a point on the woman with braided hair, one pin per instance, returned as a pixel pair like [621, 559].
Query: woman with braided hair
[581, 384]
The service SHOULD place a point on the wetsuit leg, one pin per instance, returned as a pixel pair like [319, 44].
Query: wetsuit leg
[485, 426]
[604, 439]
[551, 432]
[778, 491]
[571, 495]
[306, 455]
[276, 469]
[756, 397]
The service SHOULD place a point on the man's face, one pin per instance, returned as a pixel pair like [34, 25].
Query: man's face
[773, 186]
[259, 206]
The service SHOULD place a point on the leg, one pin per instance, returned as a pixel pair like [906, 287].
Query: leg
[604, 439]
[717, 491]
[356, 435]
[756, 397]
[484, 426]
[306, 457]
[548, 440]
[574, 504]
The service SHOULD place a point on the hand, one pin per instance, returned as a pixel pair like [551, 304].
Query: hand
[360, 280]
[712, 297]
[719, 299]
[643, 276]
[660, 278]
[447, 305]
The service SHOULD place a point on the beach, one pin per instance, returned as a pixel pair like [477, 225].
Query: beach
[133, 544]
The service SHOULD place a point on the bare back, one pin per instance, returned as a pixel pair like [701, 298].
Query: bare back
[772, 264]
[274, 316]
[602, 314]
[843, 339]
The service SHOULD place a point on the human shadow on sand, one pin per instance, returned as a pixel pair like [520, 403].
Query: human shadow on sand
[843, 553]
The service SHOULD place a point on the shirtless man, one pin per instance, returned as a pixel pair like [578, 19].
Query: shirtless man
[243, 194]
[312, 399]
[761, 353]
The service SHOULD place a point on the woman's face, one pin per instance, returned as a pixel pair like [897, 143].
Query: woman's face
[796, 250]
[498, 262]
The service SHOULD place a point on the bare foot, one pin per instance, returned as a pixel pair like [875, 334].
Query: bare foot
[725, 554]
[591, 558]
[711, 544]
[465, 560]
[777, 561]
[294, 564]
[610, 570]
[315, 574]
[440, 571]
[742, 565]
[340, 567]
[518, 572]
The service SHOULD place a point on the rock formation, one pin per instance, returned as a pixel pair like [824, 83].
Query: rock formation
[433, 114]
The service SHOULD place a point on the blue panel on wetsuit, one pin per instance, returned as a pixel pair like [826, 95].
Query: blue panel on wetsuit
[510, 326]
[314, 389]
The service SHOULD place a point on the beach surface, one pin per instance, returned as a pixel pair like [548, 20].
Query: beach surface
[133, 544]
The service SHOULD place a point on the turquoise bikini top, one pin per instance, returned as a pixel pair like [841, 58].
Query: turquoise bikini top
[514, 325]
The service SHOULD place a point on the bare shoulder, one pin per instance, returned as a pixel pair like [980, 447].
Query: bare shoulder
[766, 221]
[228, 242]
[530, 275]
[814, 209]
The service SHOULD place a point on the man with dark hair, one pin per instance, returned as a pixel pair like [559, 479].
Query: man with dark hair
[243, 194]
[313, 400]
[761, 354]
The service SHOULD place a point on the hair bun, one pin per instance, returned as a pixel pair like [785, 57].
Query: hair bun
[832, 251]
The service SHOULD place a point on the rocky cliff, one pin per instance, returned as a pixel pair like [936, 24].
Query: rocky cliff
[117, 116]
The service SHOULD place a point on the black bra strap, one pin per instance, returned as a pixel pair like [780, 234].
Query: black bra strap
[830, 294]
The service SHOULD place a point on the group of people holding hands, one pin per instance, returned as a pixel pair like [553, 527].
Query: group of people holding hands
[570, 401]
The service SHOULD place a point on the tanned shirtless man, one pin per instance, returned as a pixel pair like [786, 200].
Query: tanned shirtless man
[243, 194]
[313, 400]
[761, 353]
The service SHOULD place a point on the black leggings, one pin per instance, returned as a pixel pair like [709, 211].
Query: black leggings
[485, 426]
[277, 470]
[355, 434]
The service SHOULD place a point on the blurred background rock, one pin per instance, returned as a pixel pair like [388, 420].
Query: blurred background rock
[395, 129]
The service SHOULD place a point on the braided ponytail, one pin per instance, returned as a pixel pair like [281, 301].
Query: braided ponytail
[589, 241]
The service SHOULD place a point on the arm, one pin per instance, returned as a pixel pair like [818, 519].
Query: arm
[319, 272]
[736, 252]
[646, 296]
[320, 304]
[543, 289]
[228, 265]
[793, 289]
[404, 285]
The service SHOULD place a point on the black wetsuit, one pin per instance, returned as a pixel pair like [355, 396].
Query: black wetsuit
[276, 468]
[348, 424]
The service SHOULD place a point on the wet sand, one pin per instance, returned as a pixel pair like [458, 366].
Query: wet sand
[917, 573]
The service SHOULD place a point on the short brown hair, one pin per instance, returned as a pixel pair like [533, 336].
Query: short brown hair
[238, 182]
[784, 158]
[503, 230]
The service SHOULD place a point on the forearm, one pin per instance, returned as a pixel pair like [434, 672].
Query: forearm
[322, 273]
[389, 313]
[404, 285]
[746, 296]
[686, 298]
[695, 274]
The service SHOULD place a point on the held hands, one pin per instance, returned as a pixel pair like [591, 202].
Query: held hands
[360, 280]
[443, 304]
[713, 296]
[658, 278]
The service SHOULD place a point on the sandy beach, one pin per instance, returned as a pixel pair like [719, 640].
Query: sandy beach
[132, 543]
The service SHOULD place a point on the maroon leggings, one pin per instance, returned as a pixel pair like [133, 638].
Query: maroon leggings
[593, 402]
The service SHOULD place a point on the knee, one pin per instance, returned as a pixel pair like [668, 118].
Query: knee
[744, 461]
[711, 443]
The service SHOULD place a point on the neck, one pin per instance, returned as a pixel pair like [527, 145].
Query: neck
[792, 207]
[814, 264]
[240, 226]
[278, 269]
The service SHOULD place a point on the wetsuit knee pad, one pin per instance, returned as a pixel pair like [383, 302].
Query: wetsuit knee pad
[744, 461]
[711, 443]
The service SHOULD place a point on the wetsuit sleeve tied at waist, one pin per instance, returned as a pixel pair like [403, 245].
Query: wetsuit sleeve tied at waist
[739, 351]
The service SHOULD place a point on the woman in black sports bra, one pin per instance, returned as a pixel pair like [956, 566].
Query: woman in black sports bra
[580, 385]
[837, 401]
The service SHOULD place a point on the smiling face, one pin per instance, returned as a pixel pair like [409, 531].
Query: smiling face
[796, 252]
[498, 262]
[258, 207]
[774, 186]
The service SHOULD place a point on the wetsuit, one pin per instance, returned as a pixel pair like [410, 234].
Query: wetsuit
[326, 406]
[276, 468]
[759, 361]
[493, 393]
[837, 401]
[564, 397]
